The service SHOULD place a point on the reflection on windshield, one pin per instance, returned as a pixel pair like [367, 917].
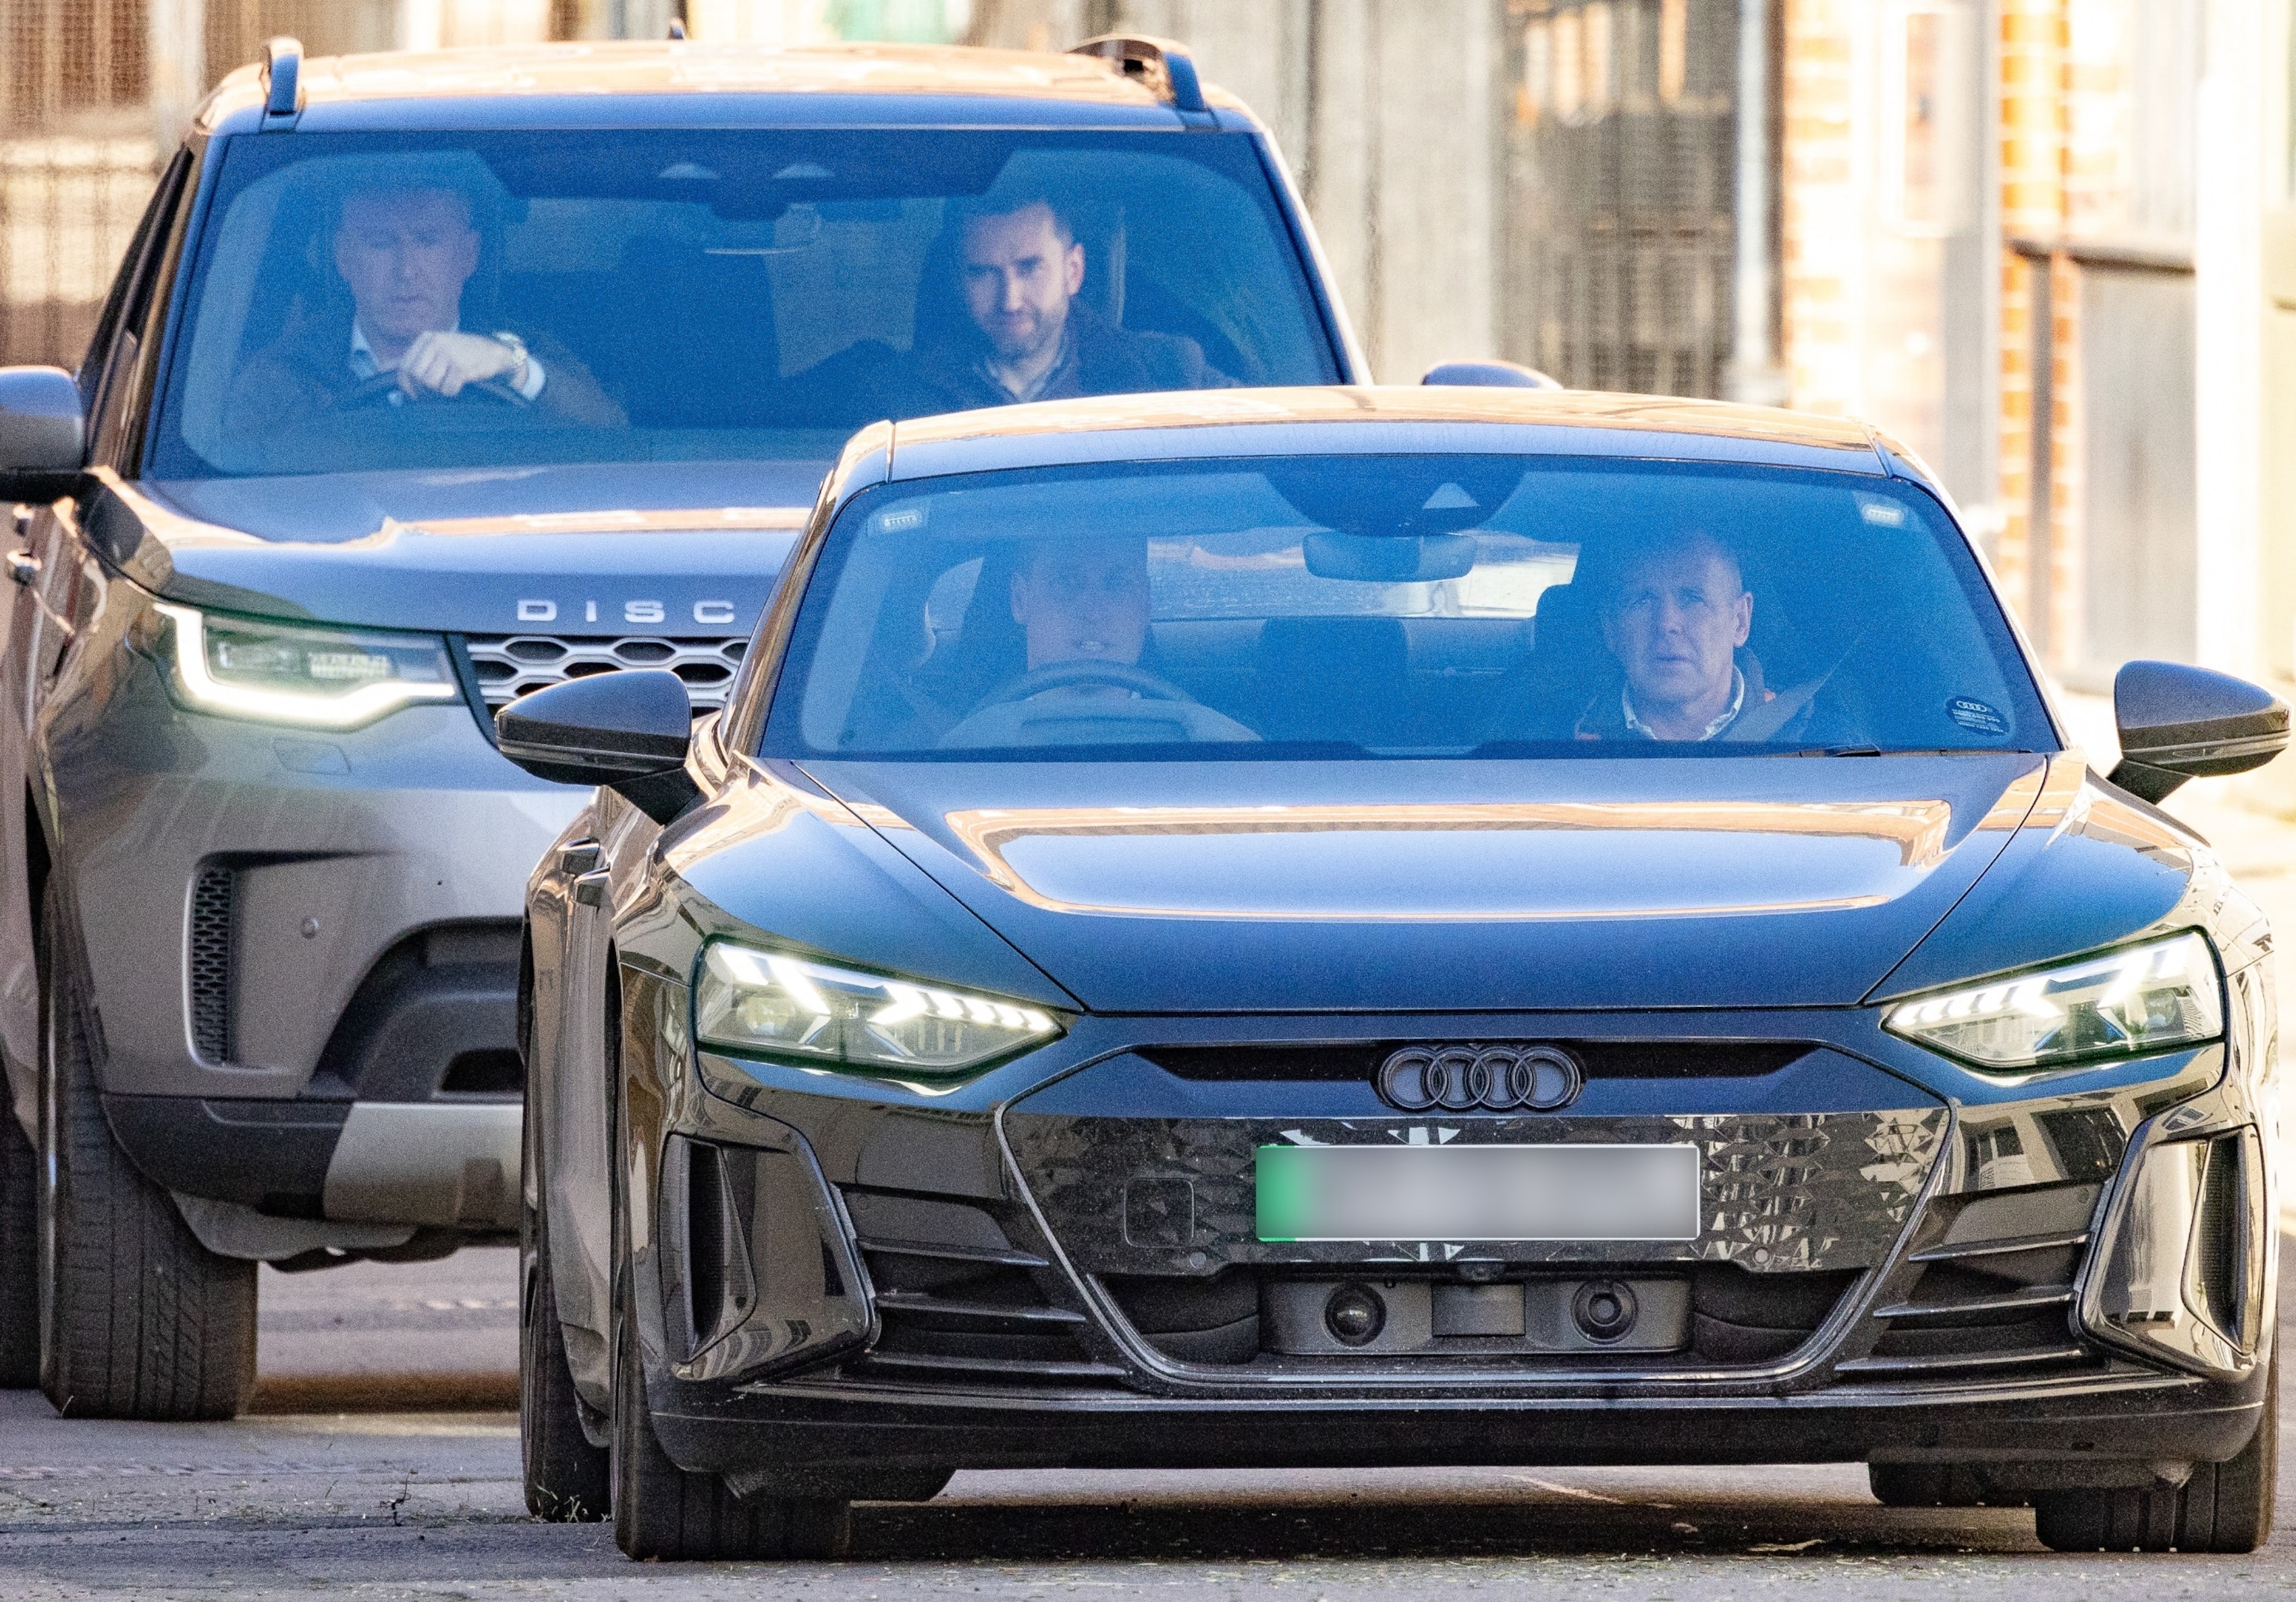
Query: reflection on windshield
[370, 301]
[1399, 606]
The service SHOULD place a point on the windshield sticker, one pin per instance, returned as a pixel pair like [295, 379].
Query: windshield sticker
[1883, 514]
[1975, 716]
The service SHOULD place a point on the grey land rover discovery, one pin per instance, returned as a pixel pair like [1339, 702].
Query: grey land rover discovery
[429, 380]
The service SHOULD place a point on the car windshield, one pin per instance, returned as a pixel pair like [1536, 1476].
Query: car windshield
[1398, 606]
[364, 302]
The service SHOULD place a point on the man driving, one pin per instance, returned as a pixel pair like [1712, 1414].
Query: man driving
[404, 255]
[1677, 618]
[1026, 335]
[1082, 605]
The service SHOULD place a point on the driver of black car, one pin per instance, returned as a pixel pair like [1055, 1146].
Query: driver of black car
[404, 255]
[1082, 604]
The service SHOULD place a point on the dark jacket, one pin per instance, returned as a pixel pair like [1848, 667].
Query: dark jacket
[307, 369]
[870, 380]
[1765, 715]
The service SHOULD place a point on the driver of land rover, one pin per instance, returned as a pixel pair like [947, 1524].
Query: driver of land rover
[404, 256]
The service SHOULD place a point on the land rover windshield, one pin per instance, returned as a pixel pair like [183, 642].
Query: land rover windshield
[480, 301]
[1398, 606]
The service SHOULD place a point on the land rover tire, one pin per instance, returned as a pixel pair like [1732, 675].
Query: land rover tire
[137, 1319]
[19, 1256]
[568, 1480]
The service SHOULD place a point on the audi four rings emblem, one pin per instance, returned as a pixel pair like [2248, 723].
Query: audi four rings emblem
[1496, 1079]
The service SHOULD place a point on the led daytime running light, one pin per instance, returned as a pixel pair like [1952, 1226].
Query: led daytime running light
[364, 703]
[2145, 999]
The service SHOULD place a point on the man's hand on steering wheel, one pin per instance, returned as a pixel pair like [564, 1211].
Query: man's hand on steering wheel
[444, 362]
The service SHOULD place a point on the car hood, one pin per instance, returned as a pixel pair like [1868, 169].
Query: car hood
[1454, 886]
[663, 548]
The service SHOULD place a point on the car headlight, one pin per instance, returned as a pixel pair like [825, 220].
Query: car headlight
[766, 1002]
[2142, 999]
[313, 677]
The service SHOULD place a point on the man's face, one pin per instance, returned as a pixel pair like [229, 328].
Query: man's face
[1019, 277]
[1085, 601]
[1679, 619]
[406, 255]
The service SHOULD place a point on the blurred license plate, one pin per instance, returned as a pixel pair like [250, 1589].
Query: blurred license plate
[1460, 1193]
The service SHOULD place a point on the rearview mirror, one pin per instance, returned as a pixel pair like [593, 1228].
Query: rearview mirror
[43, 433]
[1392, 559]
[625, 731]
[2179, 722]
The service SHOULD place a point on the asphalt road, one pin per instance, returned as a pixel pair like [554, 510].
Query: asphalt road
[320, 1494]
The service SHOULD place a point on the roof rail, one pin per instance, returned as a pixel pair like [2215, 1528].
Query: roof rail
[1145, 56]
[282, 86]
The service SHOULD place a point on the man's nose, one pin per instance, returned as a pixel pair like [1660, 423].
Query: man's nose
[1016, 296]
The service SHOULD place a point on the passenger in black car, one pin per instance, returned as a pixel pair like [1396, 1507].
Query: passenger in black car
[1676, 617]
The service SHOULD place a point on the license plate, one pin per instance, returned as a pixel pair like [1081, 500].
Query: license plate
[1463, 1192]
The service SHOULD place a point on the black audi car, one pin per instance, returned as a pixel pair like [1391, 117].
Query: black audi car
[1356, 926]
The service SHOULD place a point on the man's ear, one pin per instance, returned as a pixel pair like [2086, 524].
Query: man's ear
[1745, 617]
[1072, 267]
[1021, 597]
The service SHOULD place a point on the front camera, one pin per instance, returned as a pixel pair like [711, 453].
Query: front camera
[1355, 1315]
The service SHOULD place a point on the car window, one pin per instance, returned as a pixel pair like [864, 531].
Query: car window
[687, 295]
[1404, 606]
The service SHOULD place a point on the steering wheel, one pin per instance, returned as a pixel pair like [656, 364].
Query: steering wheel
[372, 391]
[1061, 676]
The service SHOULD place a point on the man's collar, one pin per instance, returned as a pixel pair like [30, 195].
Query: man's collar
[1729, 713]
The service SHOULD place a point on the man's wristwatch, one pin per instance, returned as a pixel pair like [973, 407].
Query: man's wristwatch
[517, 349]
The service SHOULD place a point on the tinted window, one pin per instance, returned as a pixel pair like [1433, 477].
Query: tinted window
[1398, 606]
[704, 295]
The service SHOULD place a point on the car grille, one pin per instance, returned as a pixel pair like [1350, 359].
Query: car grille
[960, 1305]
[511, 665]
[1989, 1295]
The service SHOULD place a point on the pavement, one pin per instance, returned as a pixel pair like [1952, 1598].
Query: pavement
[381, 1460]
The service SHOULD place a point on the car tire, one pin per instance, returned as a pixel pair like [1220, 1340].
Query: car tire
[2223, 1508]
[138, 1318]
[1931, 1485]
[665, 1512]
[568, 1480]
[19, 1257]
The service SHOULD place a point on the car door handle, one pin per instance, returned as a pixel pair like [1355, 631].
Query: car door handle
[24, 567]
[590, 889]
[580, 857]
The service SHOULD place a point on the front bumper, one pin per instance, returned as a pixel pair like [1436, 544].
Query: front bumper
[301, 951]
[1058, 1266]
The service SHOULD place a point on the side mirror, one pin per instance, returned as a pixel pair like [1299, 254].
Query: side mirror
[43, 433]
[1490, 376]
[2179, 723]
[625, 731]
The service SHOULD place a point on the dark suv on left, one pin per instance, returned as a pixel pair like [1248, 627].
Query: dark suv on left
[428, 380]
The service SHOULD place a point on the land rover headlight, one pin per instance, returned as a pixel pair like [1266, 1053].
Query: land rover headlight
[2155, 996]
[311, 677]
[766, 1002]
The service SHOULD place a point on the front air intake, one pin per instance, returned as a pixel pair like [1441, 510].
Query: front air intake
[209, 962]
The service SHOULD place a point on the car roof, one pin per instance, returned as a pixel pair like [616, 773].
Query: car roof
[640, 83]
[1420, 419]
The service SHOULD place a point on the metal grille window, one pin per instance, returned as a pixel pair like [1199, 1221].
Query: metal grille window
[1619, 233]
[211, 961]
[511, 665]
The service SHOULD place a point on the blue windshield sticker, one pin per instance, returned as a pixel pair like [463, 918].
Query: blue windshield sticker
[1975, 716]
